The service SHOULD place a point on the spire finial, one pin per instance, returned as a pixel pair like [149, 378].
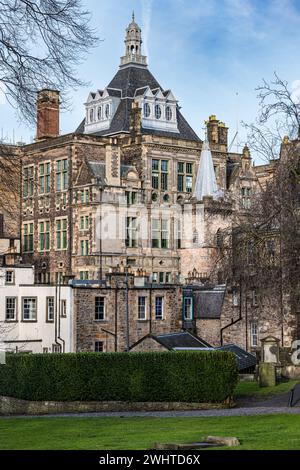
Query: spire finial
[133, 16]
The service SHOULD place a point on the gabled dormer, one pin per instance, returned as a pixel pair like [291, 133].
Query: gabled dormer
[100, 109]
[159, 109]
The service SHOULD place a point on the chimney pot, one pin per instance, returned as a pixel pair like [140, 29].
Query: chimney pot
[47, 114]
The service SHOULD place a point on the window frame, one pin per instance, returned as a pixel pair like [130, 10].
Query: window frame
[185, 177]
[45, 178]
[97, 312]
[191, 307]
[29, 320]
[84, 275]
[147, 110]
[144, 305]
[61, 234]
[12, 281]
[160, 233]
[15, 318]
[63, 308]
[28, 237]
[48, 319]
[158, 112]
[254, 334]
[28, 181]
[98, 342]
[161, 315]
[44, 236]
[131, 239]
[169, 113]
[61, 175]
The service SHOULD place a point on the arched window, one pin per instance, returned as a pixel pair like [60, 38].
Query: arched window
[147, 110]
[169, 113]
[157, 111]
[99, 113]
[92, 115]
[107, 111]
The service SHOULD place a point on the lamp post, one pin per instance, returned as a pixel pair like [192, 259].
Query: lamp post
[127, 309]
[127, 270]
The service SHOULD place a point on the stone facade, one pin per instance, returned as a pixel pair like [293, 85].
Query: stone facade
[111, 330]
[119, 192]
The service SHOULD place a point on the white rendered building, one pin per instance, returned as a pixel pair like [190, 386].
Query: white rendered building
[34, 318]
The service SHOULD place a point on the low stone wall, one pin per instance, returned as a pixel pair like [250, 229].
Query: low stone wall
[291, 372]
[14, 406]
[246, 377]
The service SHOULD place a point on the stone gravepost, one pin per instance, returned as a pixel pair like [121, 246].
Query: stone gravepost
[270, 360]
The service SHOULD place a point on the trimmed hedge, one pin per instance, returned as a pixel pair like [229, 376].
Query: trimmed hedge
[136, 377]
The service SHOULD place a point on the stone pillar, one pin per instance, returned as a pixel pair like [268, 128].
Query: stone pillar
[113, 165]
[267, 374]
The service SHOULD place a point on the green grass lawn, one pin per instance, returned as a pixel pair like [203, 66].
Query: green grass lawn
[255, 432]
[252, 389]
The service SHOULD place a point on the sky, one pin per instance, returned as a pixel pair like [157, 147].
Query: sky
[212, 54]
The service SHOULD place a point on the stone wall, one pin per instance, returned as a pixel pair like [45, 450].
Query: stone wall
[148, 344]
[112, 331]
[209, 330]
[13, 406]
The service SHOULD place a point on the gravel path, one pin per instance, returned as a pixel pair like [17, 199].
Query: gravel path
[174, 414]
[245, 407]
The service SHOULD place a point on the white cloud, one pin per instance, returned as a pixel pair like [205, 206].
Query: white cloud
[146, 15]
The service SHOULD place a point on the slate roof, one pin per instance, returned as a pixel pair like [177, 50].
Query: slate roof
[129, 79]
[208, 303]
[98, 170]
[245, 359]
[125, 170]
[181, 340]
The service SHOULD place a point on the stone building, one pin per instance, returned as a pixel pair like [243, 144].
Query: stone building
[114, 315]
[127, 188]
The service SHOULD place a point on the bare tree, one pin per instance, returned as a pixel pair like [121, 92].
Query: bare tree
[41, 42]
[260, 251]
[278, 116]
[10, 182]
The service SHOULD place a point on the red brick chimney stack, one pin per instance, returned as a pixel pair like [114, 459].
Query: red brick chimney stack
[47, 114]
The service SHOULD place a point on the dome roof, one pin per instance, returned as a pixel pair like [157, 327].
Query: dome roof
[133, 24]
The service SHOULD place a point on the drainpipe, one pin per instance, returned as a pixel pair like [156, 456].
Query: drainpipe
[59, 316]
[55, 317]
[233, 322]
[100, 239]
[150, 307]
[246, 320]
[127, 309]
[116, 318]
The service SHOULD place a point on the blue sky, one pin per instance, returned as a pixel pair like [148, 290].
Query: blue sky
[205, 51]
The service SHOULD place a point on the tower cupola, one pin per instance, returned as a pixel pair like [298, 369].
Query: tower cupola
[133, 45]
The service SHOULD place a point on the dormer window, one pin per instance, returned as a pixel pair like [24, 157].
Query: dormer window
[147, 110]
[101, 108]
[169, 113]
[157, 111]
